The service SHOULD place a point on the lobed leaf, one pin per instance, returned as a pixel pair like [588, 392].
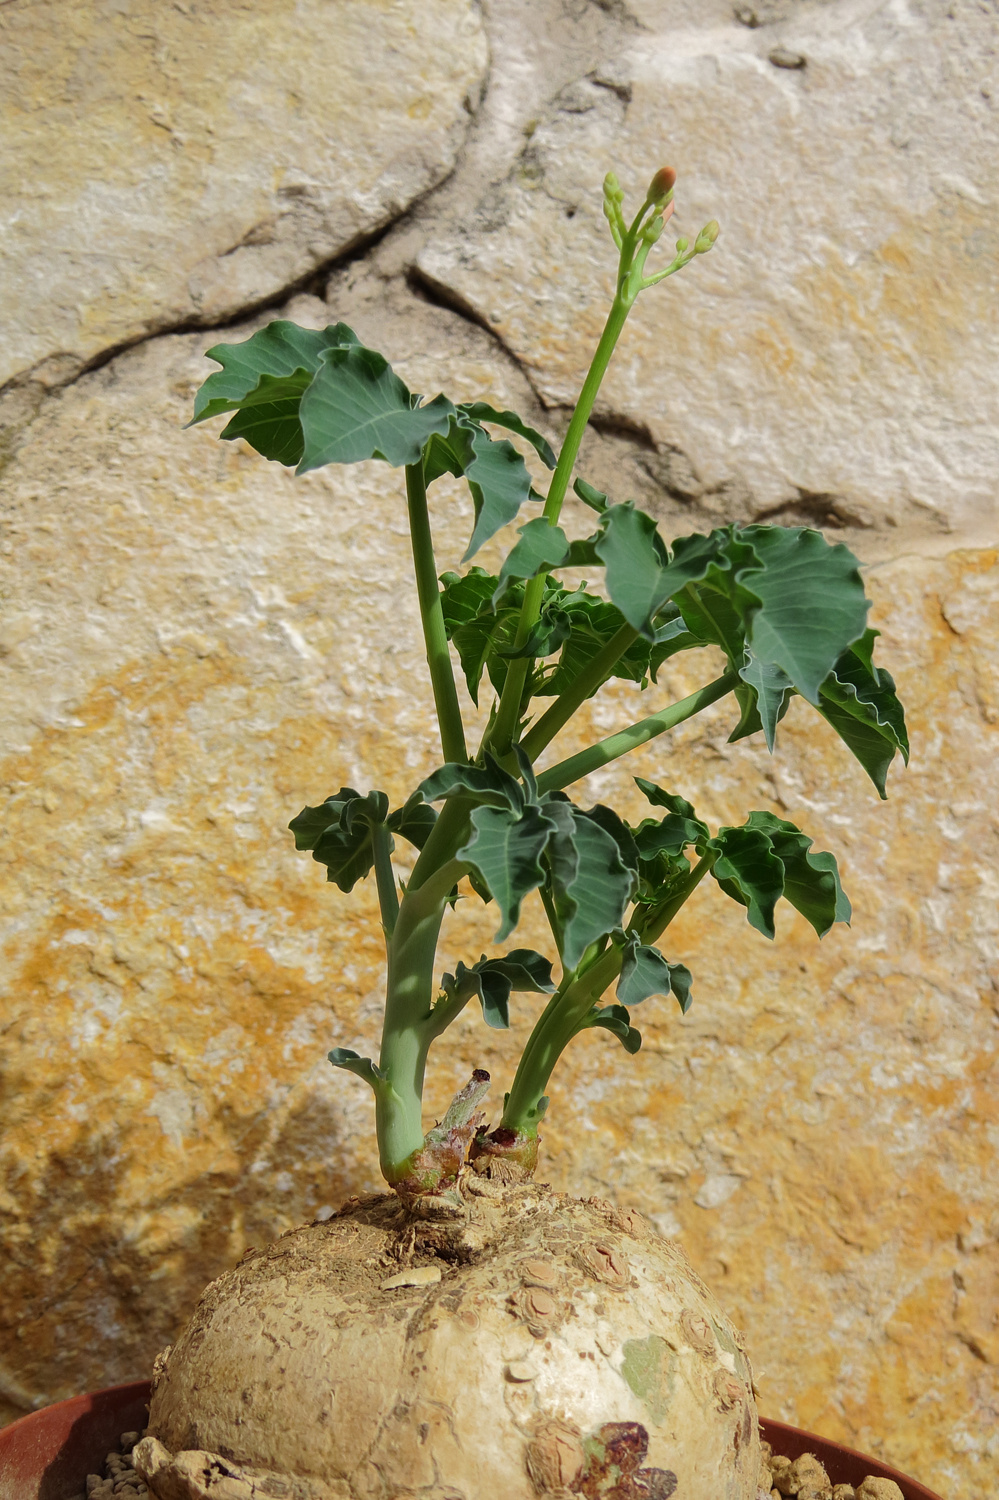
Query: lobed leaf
[644, 973]
[357, 408]
[590, 882]
[858, 699]
[481, 411]
[492, 980]
[488, 785]
[338, 832]
[282, 349]
[769, 857]
[505, 851]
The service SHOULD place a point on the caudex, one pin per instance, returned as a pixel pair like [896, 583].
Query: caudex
[787, 610]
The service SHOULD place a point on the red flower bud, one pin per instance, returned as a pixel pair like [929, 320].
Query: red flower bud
[662, 184]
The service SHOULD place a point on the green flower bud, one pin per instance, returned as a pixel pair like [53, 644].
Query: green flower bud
[653, 230]
[681, 245]
[707, 237]
[661, 186]
[612, 188]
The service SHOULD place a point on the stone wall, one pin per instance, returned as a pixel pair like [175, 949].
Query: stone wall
[192, 645]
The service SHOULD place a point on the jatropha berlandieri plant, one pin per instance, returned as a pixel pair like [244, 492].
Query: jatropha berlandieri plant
[787, 610]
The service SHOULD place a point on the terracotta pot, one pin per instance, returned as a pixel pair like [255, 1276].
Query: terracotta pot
[47, 1455]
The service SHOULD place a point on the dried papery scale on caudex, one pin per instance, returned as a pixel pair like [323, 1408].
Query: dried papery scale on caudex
[470, 1333]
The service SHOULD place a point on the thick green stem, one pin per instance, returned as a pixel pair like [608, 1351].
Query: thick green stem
[593, 676]
[504, 727]
[616, 745]
[406, 1034]
[564, 1014]
[438, 655]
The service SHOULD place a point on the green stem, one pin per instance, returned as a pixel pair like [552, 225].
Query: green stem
[656, 919]
[593, 676]
[504, 728]
[388, 896]
[615, 745]
[438, 655]
[406, 1037]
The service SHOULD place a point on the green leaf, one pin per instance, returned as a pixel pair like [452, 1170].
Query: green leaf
[811, 881]
[674, 804]
[481, 411]
[492, 980]
[357, 408]
[644, 973]
[768, 702]
[499, 482]
[413, 821]
[540, 547]
[281, 349]
[488, 785]
[339, 833]
[634, 557]
[616, 1020]
[858, 700]
[812, 604]
[361, 1067]
[448, 452]
[471, 622]
[594, 498]
[505, 851]
[750, 872]
[590, 881]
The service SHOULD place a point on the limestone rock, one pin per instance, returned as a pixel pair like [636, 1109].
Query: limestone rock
[835, 358]
[174, 164]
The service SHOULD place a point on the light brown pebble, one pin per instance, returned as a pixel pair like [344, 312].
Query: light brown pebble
[873, 1488]
[844, 1492]
[784, 1477]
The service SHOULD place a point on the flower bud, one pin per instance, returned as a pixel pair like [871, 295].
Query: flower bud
[661, 185]
[706, 238]
[612, 188]
[681, 245]
[653, 230]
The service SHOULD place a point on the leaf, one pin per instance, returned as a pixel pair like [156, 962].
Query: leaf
[357, 408]
[505, 850]
[361, 1067]
[481, 411]
[282, 349]
[488, 785]
[812, 604]
[644, 973]
[811, 881]
[591, 883]
[858, 700]
[594, 498]
[660, 798]
[493, 979]
[616, 1020]
[499, 482]
[540, 547]
[634, 557]
[750, 872]
[470, 620]
[339, 834]
[413, 821]
[771, 696]
[448, 452]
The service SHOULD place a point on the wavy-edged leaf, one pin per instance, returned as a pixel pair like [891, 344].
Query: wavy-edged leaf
[590, 881]
[540, 547]
[634, 557]
[338, 832]
[644, 973]
[811, 879]
[616, 1020]
[488, 785]
[492, 980]
[505, 851]
[499, 482]
[282, 349]
[812, 603]
[768, 701]
[748, 870]
[481, 411]
[357, 408]
[858, 699]
[413, 821]
[673, 803]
